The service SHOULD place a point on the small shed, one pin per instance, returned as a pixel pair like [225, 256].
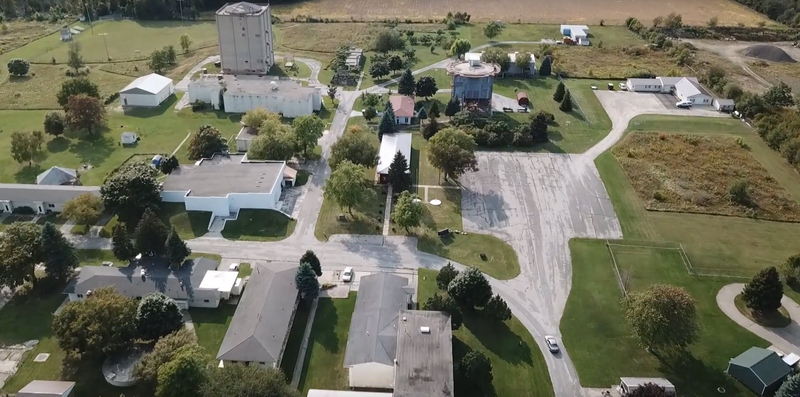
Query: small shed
[66, 33]
[128, 138]
[522, 99]
[761, 370]
[724, 105]
[156, 161]
[629, 385]
[47, 388]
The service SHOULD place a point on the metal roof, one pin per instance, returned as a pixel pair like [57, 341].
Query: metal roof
[46, 388]
[260, 326]
[390, 145]
[44, 193]
[150, 84]
[424, 359]
[57, 176]
[373, 328]
[765, 364]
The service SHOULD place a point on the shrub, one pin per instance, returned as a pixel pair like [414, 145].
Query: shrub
[739, 192]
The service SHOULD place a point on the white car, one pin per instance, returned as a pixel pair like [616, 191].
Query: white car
[234, 267]
[623, 87]
[347, 274]
[684, 104]
[552, 344]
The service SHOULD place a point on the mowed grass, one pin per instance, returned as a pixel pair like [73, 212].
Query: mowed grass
[188, 224]
[594, 327]
[517, 363]
[367, 217]
[323, 367]
[259, 225]
[210, 325]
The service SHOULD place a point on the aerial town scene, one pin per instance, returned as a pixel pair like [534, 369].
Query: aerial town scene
[340, 198]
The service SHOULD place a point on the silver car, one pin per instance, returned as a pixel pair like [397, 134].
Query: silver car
[552, 344]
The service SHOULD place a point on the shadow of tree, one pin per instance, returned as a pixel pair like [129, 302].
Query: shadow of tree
[463, 386]
[325, 325]
[498, 338]
[58, 144]
[93, 151]
[689, 373]
[27, 174]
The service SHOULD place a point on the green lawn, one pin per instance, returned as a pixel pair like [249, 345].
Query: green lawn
[422, 172]
[210, 326]
[97, 257]
[259, 225]
[367, 217]
[188, 224]
[245, 269]
[517, 363]
[292, 349]
[593, 325]
[324, 362]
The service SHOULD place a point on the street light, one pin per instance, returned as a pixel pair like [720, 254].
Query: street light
[105, 43]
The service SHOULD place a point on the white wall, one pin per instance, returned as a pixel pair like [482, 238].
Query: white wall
[146, 100]
[207, 93]
[245, 43]
[216, 205]
[173, 196]
[201, 295]
[232, 203]
[371, 375]
[288, 105]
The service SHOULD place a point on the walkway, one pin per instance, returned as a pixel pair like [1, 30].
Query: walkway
[787, 339]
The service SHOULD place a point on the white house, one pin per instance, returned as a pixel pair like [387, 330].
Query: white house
[240, 93]
[47, 388]
[403, 107]
[390, 145]
[689, 89]
[42, 199]
[684, 88]
[577, 33]
[147, 91]
[644, 85]
[225, 184]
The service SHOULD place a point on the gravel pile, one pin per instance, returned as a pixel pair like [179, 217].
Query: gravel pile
[768, 53]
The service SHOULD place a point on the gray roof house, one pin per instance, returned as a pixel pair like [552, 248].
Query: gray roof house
[41, 198]
[424, 355]
[761, 370]
[46, 388]
[260, 327]
[372, 339]
[57, 176]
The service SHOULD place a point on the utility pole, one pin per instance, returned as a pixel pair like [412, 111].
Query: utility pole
[180, 6]
[88, 15]
[108, 56]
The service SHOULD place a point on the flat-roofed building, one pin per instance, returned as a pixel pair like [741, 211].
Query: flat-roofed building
[42, 199]
[241, 93]
[245, 38]
[424, 366]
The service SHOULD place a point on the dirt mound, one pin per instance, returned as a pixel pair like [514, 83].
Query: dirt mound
[768, 53]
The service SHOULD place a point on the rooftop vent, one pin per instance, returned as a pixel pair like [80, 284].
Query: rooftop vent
[425, 330]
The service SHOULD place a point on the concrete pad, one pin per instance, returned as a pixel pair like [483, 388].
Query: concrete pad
[41, 357]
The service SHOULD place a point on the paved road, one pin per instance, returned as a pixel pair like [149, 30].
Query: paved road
[786, 339]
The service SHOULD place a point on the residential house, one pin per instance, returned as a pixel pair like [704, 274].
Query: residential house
[689, 89]
[761, 370]
[147, 91]
[684, 88]
[47, 388]
[241, 93]
[225, 184]
[245, 38]
[515, 70]
[66, 33]
[403, 107]
[630, 385]
[390, 145]
[372, 339]
[42, 199]
[578, 34]
[260, 327]
[424, 365]
[58, 176]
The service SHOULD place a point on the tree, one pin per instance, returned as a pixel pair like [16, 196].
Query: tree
[54, 123]
[237, 380]
[84, 112]
[311, 258]
[395, 62]
[370, 113]
[445, 276]
[444, 303]
[164, 351]
[176, 249]
[19, 250]
[733, 91]
[205, 143]
[493, 29]
[122, 247]
[186, 42]
[184, 374]
[452, 151]
[791, 270]
[84, 209]
[157, 315]
[434, 112]
[406, 85]
[648, 390]
[460, 47]
[430, 129]
[663, 316]
[470, 288]
[453, 107]
[566, 103]
[475, 371]
[159, 61]
[498, 56]
[347, 185]
[74, 57]
[354, 147]
[308, 130]
[497, 309]
[739, 192]
[764, 292]
[546, 66]
[379, 69]
[255, 118]
[790, 387]
[387, 124]
[778, 96]
[280, 144]
[26, 146]
[398, 175]
[18, 67]
[150, 234]
[561, 90]
[101, 324]
[76, 86]
[170, 164]
[306, 281]
[426, 87]
[388, 40]
[406, 212]
[332, 93]
[523, 60]
[538, 127]
[130, 190]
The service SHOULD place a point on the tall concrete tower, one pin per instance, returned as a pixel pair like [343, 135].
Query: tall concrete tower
[245, 38]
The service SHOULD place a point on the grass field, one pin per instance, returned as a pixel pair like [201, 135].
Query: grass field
[188, 224]
[517, 363]
[259, 225]
[324, 362]
[367, 217]
[210, 325]
[593, 323]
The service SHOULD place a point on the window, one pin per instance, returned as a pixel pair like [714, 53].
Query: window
[205, 300]
[80, 295]
[51, 205]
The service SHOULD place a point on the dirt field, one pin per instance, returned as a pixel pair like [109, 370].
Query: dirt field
[583, 11]
[689, 173]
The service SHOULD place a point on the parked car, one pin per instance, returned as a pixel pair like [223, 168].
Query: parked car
[347, 274]
[623, 86]
[234, 267]
[508, 110]
[611, 86]
[684, 104]
[594, 87]
[552, 344]
[522, 110]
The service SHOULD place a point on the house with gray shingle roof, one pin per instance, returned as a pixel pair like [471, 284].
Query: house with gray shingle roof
[41, 199]
[761, 370]
[58, 176]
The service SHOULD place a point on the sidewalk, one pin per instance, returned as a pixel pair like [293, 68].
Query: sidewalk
[787, 339]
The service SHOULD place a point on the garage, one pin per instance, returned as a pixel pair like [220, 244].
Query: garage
[146, 91]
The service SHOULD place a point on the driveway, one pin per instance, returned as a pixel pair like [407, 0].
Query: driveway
[787, 339]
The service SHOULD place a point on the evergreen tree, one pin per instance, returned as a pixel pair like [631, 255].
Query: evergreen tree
[157, 315]
[470, 288]
[546, 67]
[387, 124]
[431, 128]
[176, 249]
[444, 303]
[497, 309]
[790, 387]
[122, 246]
[566, 104]
[311, 258]
[764, 292]
[445, 276]
[150, 234]
[306, 282]
[406, 85]
[452, 108]
[558, 96]
[399, 178]
[57, 253]
[434, 112]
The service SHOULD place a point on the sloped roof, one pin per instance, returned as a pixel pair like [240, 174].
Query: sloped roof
[46, 388]
[150, 84]
[424, 360]
[57, 176]
[390, 145]
[45, 193]
[373, 328]
[765, 364]
[261, 323]
[403, 105]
